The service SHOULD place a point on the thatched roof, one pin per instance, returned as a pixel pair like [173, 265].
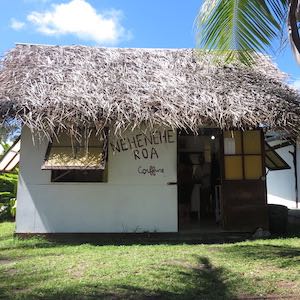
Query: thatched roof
[50, 87]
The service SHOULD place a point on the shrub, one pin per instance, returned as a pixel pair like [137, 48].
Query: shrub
[8, 191]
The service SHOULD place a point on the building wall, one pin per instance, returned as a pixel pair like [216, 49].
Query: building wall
[298, 170]
[133, 199]
[281, 184]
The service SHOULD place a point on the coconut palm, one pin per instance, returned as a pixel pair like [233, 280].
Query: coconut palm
[241, 28]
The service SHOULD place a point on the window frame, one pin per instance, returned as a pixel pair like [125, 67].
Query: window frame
[243, 155]
[272, 149]
[57, 176]
[102, 170]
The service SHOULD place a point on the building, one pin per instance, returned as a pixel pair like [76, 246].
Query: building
[142, 140]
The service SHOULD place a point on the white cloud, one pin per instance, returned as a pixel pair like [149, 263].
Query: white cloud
[79, 18]
[16, 25]
[296, 84]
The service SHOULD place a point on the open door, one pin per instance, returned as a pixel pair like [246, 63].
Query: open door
[198, 177]
[244, 197]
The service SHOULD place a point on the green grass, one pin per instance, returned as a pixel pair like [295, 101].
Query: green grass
[39, 269]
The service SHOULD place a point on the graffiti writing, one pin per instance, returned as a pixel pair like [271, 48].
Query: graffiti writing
[138, 143]
[151, 170]
[145, 153]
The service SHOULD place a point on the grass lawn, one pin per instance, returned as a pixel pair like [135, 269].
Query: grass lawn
[38, 269]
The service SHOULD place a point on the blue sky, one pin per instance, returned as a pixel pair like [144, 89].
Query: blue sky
[118, 23]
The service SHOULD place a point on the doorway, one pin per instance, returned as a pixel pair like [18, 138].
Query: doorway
[199, 178]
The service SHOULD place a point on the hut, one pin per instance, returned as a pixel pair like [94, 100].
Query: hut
[142, 140]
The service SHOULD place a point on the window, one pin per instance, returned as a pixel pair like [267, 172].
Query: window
[77, 161]
[273, 160]
[79, 176]
[243, 155]
[11, 158]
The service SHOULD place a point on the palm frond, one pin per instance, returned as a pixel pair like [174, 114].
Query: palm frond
[239, 28]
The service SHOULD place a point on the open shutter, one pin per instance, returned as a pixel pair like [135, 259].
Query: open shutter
[273, 160]
[67, 154]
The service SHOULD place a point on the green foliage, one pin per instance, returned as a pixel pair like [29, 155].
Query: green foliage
[8, 191]
[5, 146]
[13, 206]
[238, 29]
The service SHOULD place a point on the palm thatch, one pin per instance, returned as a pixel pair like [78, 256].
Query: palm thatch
[50, 88]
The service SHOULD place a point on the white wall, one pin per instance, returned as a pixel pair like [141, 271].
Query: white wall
[281, 183]
[129, 202]
[298, 170]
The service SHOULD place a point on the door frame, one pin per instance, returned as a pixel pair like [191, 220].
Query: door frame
[219, 137]
[261, 180]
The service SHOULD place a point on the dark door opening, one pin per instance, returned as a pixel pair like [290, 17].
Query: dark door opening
[199, 180]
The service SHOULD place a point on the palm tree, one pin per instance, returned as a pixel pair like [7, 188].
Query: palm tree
[239, 29]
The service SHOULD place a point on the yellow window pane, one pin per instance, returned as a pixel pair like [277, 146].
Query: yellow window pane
[252, 142]
[233, 168]
[227, 134]
[232, 138]
[253, 166]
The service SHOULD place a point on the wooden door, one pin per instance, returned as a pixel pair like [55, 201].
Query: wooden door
[244, 198]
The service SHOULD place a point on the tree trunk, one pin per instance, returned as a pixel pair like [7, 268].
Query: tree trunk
[293, 27]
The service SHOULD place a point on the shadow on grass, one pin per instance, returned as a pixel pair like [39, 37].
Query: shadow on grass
[17, 285]
[119, 239]
[201, 280]
[283, 256]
